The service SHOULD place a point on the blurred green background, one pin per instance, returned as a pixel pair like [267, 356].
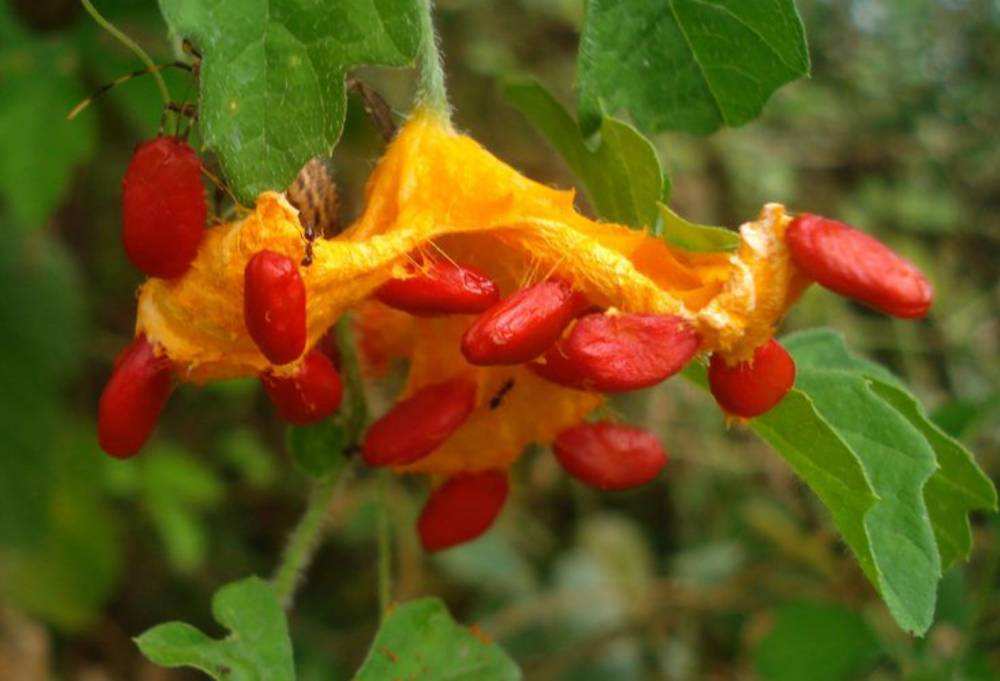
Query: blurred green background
[724, 568]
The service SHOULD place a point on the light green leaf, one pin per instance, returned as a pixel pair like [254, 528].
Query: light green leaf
[318, 449]
[818, 455]
[621, 175]
[257, 649]
[40, 147]
[272, 76]
[818, 642]
[957, 487]
[693, 237]
[897, 461]
[691, 65]
[419, 640]
[898, 488]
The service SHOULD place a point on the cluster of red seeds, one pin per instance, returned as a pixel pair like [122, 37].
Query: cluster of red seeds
[548, 326]
[163, 221]
[603, 351]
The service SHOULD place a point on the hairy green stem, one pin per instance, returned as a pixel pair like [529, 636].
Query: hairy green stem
[350, 367]
[132, 45]
[431, 92]
[305, 538]
[384, 548]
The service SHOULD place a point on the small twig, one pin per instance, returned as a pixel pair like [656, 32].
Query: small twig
[305, 537]
[130, 44]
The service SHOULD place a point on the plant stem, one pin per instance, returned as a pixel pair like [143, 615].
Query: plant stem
[431, 92]
[305, 538]
[350, 367]
[384, 549]
[132, 45]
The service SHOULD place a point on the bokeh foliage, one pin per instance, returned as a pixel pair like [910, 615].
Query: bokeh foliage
[716, 569]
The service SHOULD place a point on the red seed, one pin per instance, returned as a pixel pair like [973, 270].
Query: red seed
[616, 353]
[274, 306]
[558, 369]
[163, 207]
[439, 288]
[311, 394]
[419, 424]
[461, 509]
[132, 400]
[749, 389]
[610, 455]
[857, 265]
[523, 326]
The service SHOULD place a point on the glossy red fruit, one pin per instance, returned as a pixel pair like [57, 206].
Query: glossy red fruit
[557, 368]
[419, 424]
[461, 509]
[163, 207]
[274, 306]
[439, 288]
[859, 266]
[616, 353]
[311, 394]
[523, 326]
[610, 455]
[749, 389]
[133, 399]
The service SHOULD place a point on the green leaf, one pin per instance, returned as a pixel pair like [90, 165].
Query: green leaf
[272, 76]
[40, 147]
[693, 237]
[420, 641]
[957, 487]
[899, 489]
[817, 642]
[691, 65]
[318, 449]
[257, 649]
[821, 458]
[621, 175]
[897, 461]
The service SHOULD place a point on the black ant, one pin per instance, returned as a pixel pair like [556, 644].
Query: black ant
[497, 399]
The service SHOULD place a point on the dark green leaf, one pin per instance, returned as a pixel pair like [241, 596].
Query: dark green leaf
[420, 641]
[816, 642]
[693, 237]
[621, 176]
[272, 76]
[318, 449]
[691, 65]
[41, 148]
[257, 649]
